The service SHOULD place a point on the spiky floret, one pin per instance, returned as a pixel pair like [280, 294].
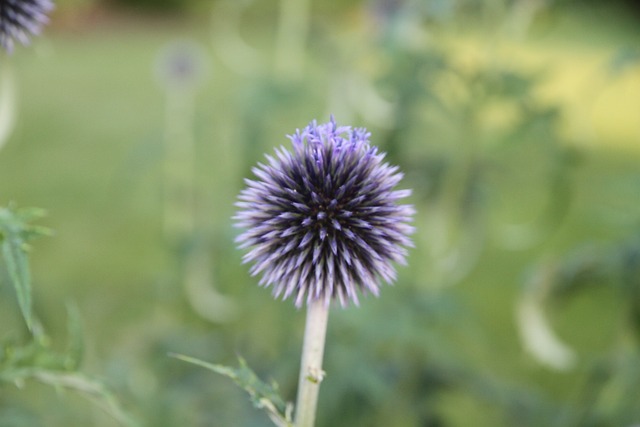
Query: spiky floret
[20, 18]
[323, 221]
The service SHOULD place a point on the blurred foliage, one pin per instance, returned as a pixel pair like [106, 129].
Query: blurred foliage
[498, 182]
[609, 395]
[35, 359]
[154, 5]
[263, 396]
[15, 232]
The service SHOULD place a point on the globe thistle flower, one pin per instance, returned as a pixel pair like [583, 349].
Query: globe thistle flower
[19, 18]
[323, 221]
[181, 64]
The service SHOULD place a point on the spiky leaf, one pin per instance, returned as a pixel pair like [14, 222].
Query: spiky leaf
[263, 395]
[15, 231]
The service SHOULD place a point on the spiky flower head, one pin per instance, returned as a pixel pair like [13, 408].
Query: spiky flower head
[323, 221]
[20, 18]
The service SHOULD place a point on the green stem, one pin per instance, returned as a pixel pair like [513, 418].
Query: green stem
[7, 101]
[311, 372]
[179, 164]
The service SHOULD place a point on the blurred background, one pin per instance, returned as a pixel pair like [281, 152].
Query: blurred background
[517, 124]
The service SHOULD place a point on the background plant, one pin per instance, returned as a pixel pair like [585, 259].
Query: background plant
[30, 357]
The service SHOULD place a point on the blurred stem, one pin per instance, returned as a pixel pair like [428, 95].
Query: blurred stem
[292, 37]
[7, 100]
[179, 164]
[311, 373]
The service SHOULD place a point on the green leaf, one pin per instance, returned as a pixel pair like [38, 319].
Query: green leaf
[15, 231]
[18, 267]
[16, 356]
[263, 395]
[35, 360]
[86, 386]
[75, 347]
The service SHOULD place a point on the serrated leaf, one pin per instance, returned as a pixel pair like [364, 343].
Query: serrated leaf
[263, 395]
[35, 353]
[18, 267]
[15, 231]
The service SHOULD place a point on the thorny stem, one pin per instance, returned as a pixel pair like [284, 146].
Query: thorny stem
[311, 373]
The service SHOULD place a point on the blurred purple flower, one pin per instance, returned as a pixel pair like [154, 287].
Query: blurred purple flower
[323, 221]
[19, 18]
[182, 64]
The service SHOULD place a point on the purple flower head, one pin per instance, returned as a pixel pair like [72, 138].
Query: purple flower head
[181, 64]
[322, 221]
[19, 18]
